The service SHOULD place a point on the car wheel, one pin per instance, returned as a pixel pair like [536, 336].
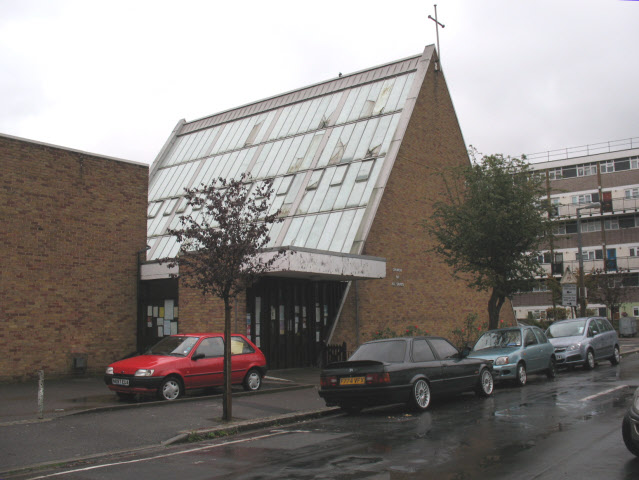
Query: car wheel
[420, 397]
[521, 378]
[351, 409]
[552, 369]
[616, 356]
[171, 389]
[486, 384]
[626, 433]
[252, 381]
[589, 364]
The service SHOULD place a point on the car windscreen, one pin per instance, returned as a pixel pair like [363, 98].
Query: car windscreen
[175, 346]
[566, 329]
[499, 339]
[393, 351]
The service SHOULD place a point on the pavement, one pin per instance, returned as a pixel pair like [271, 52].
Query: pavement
[81, 420]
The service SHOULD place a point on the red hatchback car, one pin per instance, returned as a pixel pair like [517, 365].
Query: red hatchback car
[183, 362]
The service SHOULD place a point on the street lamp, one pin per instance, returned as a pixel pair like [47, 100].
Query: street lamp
[582, 289]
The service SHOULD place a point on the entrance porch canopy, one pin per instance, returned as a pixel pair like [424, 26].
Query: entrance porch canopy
[300, 263]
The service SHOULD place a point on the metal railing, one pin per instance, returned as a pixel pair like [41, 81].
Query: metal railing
[584, 150]
[620, 263]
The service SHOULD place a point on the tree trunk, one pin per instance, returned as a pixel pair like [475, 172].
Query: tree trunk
[227, 404]
[494, 307]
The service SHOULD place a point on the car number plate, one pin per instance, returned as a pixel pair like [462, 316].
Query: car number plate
[352, 381]
[120, 381]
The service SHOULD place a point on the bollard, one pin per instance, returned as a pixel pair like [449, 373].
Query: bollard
[40, 394]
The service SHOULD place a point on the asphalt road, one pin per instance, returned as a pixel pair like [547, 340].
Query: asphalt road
[568, 428]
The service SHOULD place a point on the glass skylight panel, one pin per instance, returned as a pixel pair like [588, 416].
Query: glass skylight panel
[356, 194]
[241, 162]
[261, 159]
[342, 231]
[304, 231]
[338, 176]
[273, 233]
[329, 231]
[232, 130]
[287, 160]
[294, 189]
[359, 103]
[330, 197]
[299, 118]
[316, 232]
[362, 150]
[329, 148]
[322, 189]
[315, 113]
[349, 153]
[288, 121]
[154, 208]
[312, 150]
[352, 232]
[390, 133]
[226, 129]
[372, 180]
[347, 187]
[380, 103]
[393, 100]
[348, 105]
[283, 185]
[364, 171]
[291, 233]
[269, 160]
[314, 181]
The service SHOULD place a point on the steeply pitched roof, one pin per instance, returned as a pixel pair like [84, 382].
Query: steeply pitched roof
[328, 147]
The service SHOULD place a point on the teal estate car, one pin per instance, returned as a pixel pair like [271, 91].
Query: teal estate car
[516, 352]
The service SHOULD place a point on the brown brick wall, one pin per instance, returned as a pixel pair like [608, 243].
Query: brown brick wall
[429, 298]
[71, 226]
[199, 314]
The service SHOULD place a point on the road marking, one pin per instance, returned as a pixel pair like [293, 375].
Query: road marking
[278, 379]
[156, 457]
[605, 392]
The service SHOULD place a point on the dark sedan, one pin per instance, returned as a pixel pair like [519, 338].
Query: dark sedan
[403, 370]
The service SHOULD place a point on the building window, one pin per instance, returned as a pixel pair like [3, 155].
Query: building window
[627, 222]
[632, 192]
[608, 167]
[590, 226]
[585, 170]
[611, 224]
[580, 199]
[635, 311]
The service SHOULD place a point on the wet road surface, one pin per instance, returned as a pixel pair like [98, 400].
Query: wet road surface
[569, 427]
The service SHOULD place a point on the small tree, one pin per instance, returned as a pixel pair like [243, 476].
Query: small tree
[490, 225]
[221, 236]
[608, 288]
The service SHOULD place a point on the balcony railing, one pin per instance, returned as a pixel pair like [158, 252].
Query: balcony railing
[584, 150]
[620, 263]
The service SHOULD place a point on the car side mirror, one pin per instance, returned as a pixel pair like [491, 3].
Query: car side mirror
[465, 352]
[197, 356]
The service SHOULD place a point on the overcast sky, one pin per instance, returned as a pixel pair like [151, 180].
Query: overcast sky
[114, 77]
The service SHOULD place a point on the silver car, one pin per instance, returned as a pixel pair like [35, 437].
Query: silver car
[584, 341]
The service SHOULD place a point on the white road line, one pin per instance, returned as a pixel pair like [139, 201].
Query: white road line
[605, 392]
[199, 449]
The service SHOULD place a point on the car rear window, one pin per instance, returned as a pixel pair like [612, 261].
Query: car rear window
[566, 329]
[392, 351]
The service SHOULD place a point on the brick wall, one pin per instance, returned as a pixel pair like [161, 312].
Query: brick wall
[71, 225]
[424, 293]
[199, 314]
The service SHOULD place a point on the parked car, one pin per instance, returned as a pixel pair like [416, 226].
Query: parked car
[402, 370]
[630, 426]
[584, 341]
[179, 363]
[516, 352]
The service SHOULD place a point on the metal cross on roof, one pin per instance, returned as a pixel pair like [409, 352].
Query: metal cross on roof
[437, 25]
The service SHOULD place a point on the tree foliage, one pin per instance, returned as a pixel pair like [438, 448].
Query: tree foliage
[490, 224]
[221, 236]
[608, 287]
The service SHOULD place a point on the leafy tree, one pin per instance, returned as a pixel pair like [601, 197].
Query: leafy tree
[490, 224]
[608, 288]
[226, 228]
